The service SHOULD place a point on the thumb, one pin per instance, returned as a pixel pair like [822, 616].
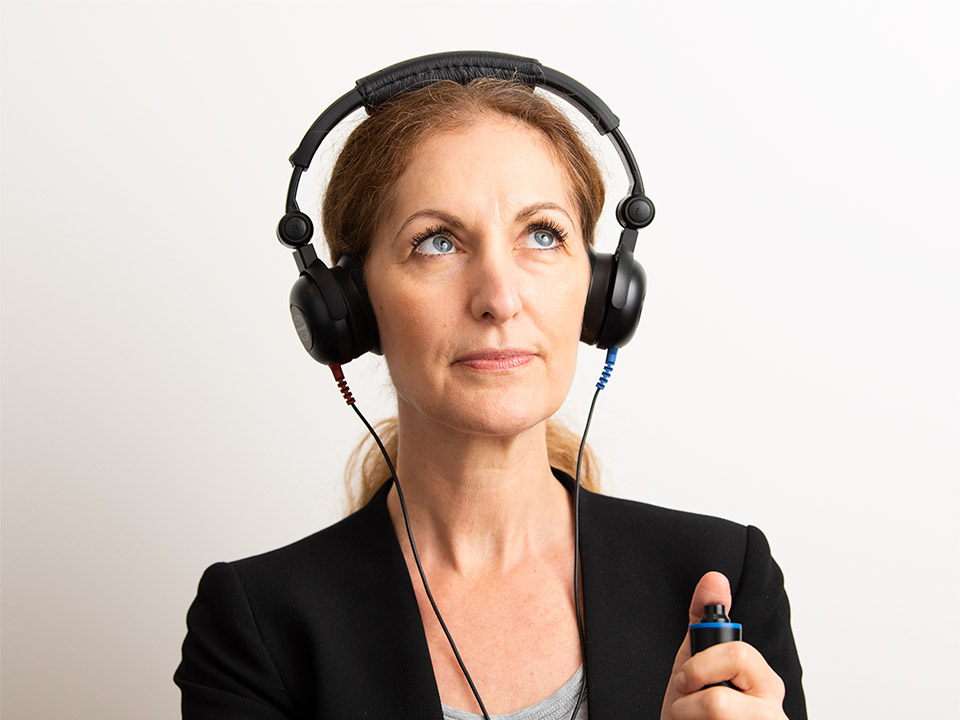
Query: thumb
[713, 589]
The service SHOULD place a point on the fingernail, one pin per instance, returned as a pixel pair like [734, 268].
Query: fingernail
[681, 681]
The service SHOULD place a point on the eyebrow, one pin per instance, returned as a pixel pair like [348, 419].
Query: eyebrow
[454, 222]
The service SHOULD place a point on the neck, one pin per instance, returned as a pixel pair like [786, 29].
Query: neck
[478, 502]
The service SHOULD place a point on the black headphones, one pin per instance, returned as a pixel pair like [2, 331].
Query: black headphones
[331, 311]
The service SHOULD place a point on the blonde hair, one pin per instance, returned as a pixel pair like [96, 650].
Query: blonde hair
[359, 195]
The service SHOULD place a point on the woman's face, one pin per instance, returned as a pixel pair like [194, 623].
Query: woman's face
[478, 277]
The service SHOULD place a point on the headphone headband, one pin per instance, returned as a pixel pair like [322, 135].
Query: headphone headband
[377, 88]
[462, 67]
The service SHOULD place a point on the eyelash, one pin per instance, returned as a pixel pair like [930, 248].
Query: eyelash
[550, 226]
[420, 238]
[541, 224]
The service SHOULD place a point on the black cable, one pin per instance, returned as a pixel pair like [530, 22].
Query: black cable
[611, 357]
[416, 556]
[576, 555]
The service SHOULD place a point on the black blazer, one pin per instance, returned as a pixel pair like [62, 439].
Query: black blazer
[329, 627]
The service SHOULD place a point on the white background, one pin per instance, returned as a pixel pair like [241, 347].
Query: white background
[795, 367]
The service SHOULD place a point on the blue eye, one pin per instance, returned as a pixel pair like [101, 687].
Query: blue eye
[542, 239]
[433, 244]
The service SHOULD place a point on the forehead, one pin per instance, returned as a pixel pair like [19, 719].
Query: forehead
[491, 161]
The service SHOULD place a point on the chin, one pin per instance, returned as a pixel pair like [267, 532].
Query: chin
[505, 414]
[501, 406]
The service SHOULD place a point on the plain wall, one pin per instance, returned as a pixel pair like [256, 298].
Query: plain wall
[795, 367]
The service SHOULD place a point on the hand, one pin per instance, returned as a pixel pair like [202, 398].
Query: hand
[761, 690]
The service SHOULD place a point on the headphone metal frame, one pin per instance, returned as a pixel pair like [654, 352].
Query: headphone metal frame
[624, 279]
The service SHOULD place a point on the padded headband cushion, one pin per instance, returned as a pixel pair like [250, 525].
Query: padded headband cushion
[461, 67]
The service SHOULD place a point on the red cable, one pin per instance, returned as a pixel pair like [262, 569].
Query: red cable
[342, 383]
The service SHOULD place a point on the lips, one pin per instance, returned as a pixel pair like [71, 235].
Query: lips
[496, 359]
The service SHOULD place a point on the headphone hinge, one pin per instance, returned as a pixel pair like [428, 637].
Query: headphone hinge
[304, 257]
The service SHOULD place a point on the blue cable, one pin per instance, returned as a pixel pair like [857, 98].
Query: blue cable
[601, 384]
[607, 368]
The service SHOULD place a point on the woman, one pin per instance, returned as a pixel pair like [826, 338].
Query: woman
[470, 209]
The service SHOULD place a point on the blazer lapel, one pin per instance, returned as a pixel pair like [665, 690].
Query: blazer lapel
[625, 667]
[404, 686]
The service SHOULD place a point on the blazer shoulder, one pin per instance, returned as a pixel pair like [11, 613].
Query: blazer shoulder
[648, 523]
[677, 544]
[315, 621]
[350, 546]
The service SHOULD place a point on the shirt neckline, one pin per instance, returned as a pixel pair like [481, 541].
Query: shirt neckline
[557, 705]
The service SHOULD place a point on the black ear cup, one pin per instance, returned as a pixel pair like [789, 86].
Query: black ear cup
[594, 312]
[618, 286]
[630, 284]
[332, 313]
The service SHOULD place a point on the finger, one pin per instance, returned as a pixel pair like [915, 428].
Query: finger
[740, 663]
[713, 589]
[720, 703]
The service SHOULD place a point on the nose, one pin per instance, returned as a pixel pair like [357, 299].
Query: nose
[495, 292]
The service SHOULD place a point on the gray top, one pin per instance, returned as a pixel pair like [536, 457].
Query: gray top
[556, 707]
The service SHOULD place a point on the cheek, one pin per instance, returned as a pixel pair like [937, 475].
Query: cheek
[565, 303]
[411, 333]
[562, 318]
